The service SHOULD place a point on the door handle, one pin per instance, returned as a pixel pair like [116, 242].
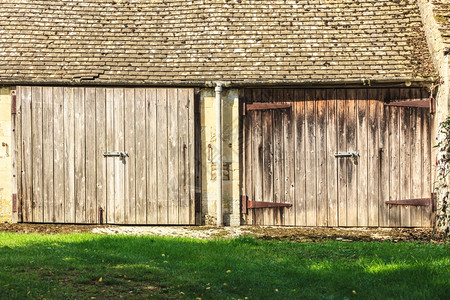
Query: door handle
[120, 154]
[352, 155]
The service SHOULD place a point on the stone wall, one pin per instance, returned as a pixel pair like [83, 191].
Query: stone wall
[5, 156]
[231, 182]
[437, 46]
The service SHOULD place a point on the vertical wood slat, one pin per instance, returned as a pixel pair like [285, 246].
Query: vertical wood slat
[373, 152]
[119, 145]
[300, 162]
[91, 155]
[172, 156]
[27, 154]
[267, 148]
[289, 159]
[321, 158]
[17, 159]
[110, 161]
[37, 190]
[332, 179]
[405, 158]
[278, 157]
[101, 146]
[394, 156]
[416, 160]
[362, 148]
[58, 154]
[141, 156]
[193, 125]
[426, 156]
[80, 156]
[129, 166]
[384, 161]
[185, 216]
[258, 160]
[342, 165]
[352, 169]
[162, 134]
[151, 147]
[47, 157]
[69, 156]
[248, 161]
[310, 157]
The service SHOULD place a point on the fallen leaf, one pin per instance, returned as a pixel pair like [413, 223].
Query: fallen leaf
[163, 255]
[276, 290]
[100, 279]
[228, 271]
[354, 292]
[225, 283]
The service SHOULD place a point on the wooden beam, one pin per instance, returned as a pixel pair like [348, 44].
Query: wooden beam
[266, 106]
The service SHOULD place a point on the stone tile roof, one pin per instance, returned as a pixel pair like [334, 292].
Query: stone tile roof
[441, 10]
[151, 41]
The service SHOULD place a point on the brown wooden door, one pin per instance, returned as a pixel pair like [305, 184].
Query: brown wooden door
[66, 176]
[290, 157]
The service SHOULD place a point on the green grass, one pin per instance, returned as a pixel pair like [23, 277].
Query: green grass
[70, 266]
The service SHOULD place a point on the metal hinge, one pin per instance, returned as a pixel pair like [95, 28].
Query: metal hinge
[263, 106]
[119, 154]
[352, 155]
[13, 102]
[429, 103]
[246, 204]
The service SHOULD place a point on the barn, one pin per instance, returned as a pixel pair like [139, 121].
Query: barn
[222, 112]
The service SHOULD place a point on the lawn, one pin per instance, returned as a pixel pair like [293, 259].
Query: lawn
[89, 266]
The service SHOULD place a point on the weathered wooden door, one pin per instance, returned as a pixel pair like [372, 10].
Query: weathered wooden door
[109, 155]
[337, 156]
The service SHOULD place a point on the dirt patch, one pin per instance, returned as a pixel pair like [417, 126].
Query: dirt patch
[296, 234]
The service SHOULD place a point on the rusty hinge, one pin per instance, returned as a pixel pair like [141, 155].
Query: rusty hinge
[14, 203]
[246, 204]
[429, 103]
[411, 202]
[263, 106]
[13, 102]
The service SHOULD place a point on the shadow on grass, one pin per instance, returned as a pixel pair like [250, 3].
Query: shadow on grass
[86, 265]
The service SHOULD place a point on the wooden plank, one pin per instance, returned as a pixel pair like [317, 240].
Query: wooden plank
[80, 156]
[416, 160]
[141, 157]
[119, 165]
[257, 159]
[47, 157]
[194, 122]
[196, 172]
[161, 148]
[405, 158]
[310, 158]
[332, 179]
[427, 177]
[267, 126]
[278, 157]
[110, 161]
[100, 148]
[373, 157]
[341, 163]
[91, 157]
[321, 157]
[248, 160]
[288, 124]
[17, 130]
[36, 106]
[27, 154]
[58, 154]
[383, 162]
[300, 163]
[172, 155]
[352, 169]
[151, 147]
[266, 106]
[394, 156]
[362, 132]
[183, 154]
[130, 162]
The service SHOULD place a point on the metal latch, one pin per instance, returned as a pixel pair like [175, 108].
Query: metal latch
[120, 154]
[352, 155]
